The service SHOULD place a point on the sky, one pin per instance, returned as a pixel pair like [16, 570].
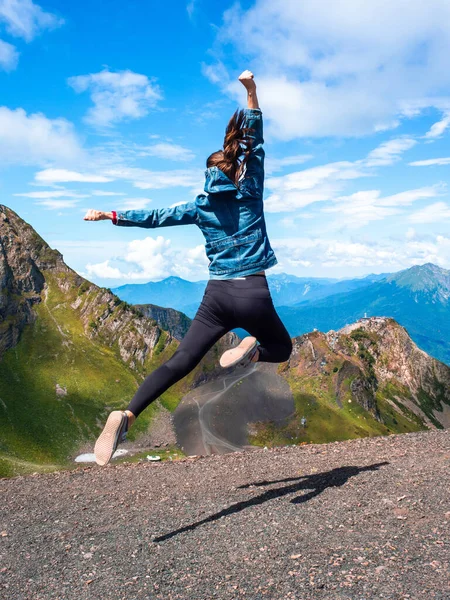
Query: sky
[117, 105]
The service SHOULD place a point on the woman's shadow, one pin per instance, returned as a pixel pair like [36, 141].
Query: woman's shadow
[316, 483]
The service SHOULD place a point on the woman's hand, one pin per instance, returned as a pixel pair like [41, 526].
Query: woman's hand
[247, 80]
[97, 215]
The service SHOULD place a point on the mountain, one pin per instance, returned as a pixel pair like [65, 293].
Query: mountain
[368, 378]
[418, 298]
[286, 290]
[173, 321]
[173, 292]
[69, 353]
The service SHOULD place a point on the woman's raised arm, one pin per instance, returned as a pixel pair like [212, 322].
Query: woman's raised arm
[247, 80]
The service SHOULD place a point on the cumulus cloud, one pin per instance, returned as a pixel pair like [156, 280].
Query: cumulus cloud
[152, 259]
[117, 95]
[350, 68]
[382, 255]
[9, 57]
[103, 270]
[33, 139]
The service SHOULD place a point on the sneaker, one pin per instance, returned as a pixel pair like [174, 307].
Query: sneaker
[242, 355]
[113, 433]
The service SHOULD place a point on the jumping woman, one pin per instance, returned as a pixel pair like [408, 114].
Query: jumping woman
[230, 214]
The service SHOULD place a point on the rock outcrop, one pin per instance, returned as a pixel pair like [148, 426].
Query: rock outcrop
[372, 360]
[29, 268]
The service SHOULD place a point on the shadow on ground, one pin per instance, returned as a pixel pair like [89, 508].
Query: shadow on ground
[317, 483]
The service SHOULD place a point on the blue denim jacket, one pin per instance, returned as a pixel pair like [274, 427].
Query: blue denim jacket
[230, 217]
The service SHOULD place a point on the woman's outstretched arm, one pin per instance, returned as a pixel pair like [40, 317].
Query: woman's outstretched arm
[183, 214]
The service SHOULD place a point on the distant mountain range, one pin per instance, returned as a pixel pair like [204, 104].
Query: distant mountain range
[286, 290]
[418, 298]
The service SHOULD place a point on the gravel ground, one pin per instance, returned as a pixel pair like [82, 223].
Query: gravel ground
[352, 520]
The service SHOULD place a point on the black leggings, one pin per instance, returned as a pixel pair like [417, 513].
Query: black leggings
[226, 305]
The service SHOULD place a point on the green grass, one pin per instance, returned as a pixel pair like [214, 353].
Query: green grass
[314, 399]
[42, 431]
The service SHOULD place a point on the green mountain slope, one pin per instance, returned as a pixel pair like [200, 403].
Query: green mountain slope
[69, 353]
[366, 379]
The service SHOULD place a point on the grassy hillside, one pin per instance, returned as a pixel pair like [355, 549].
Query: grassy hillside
[352, 384]
[59, 383]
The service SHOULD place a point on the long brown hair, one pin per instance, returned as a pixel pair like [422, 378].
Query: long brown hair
[236, 148]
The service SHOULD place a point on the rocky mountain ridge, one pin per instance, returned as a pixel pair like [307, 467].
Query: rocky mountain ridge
[374, 361]
[70, 352]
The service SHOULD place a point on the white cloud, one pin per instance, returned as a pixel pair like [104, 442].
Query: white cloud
[430, 162]
[389, 152]
[117, 96]
[48, 176]
[35, 139]
[9, 57]
[57, 204]
[272, 165]
[433, 213]
[191, 263]
[103, 193]
[53, 194]
[382, 255]
[168, 151]
[350, 68]
[410, 196]
[439, 128]
[190, 8]
[359, 209]
[151, 256]
[134, 203]
[326, 182]
[25, 19]
[103, 271]
[152, 259]
[146, 180]
[317, 184]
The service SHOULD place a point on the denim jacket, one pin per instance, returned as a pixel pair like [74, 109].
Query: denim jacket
[230, 217]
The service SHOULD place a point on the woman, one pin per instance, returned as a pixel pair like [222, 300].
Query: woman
[231, 217]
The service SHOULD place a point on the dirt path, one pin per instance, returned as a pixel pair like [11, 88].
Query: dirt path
[214, 418]
[364, 519]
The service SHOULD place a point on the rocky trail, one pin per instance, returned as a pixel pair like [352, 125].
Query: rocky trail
[362, 519]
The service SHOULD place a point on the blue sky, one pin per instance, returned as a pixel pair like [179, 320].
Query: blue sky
[119, 108]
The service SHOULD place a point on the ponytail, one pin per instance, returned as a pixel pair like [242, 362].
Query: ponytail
[236, 148]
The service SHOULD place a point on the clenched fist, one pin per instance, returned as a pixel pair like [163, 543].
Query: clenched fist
[247, 80]
[97, 215]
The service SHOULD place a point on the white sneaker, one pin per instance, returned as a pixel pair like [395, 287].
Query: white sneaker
[113, 433]
[242, 355]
